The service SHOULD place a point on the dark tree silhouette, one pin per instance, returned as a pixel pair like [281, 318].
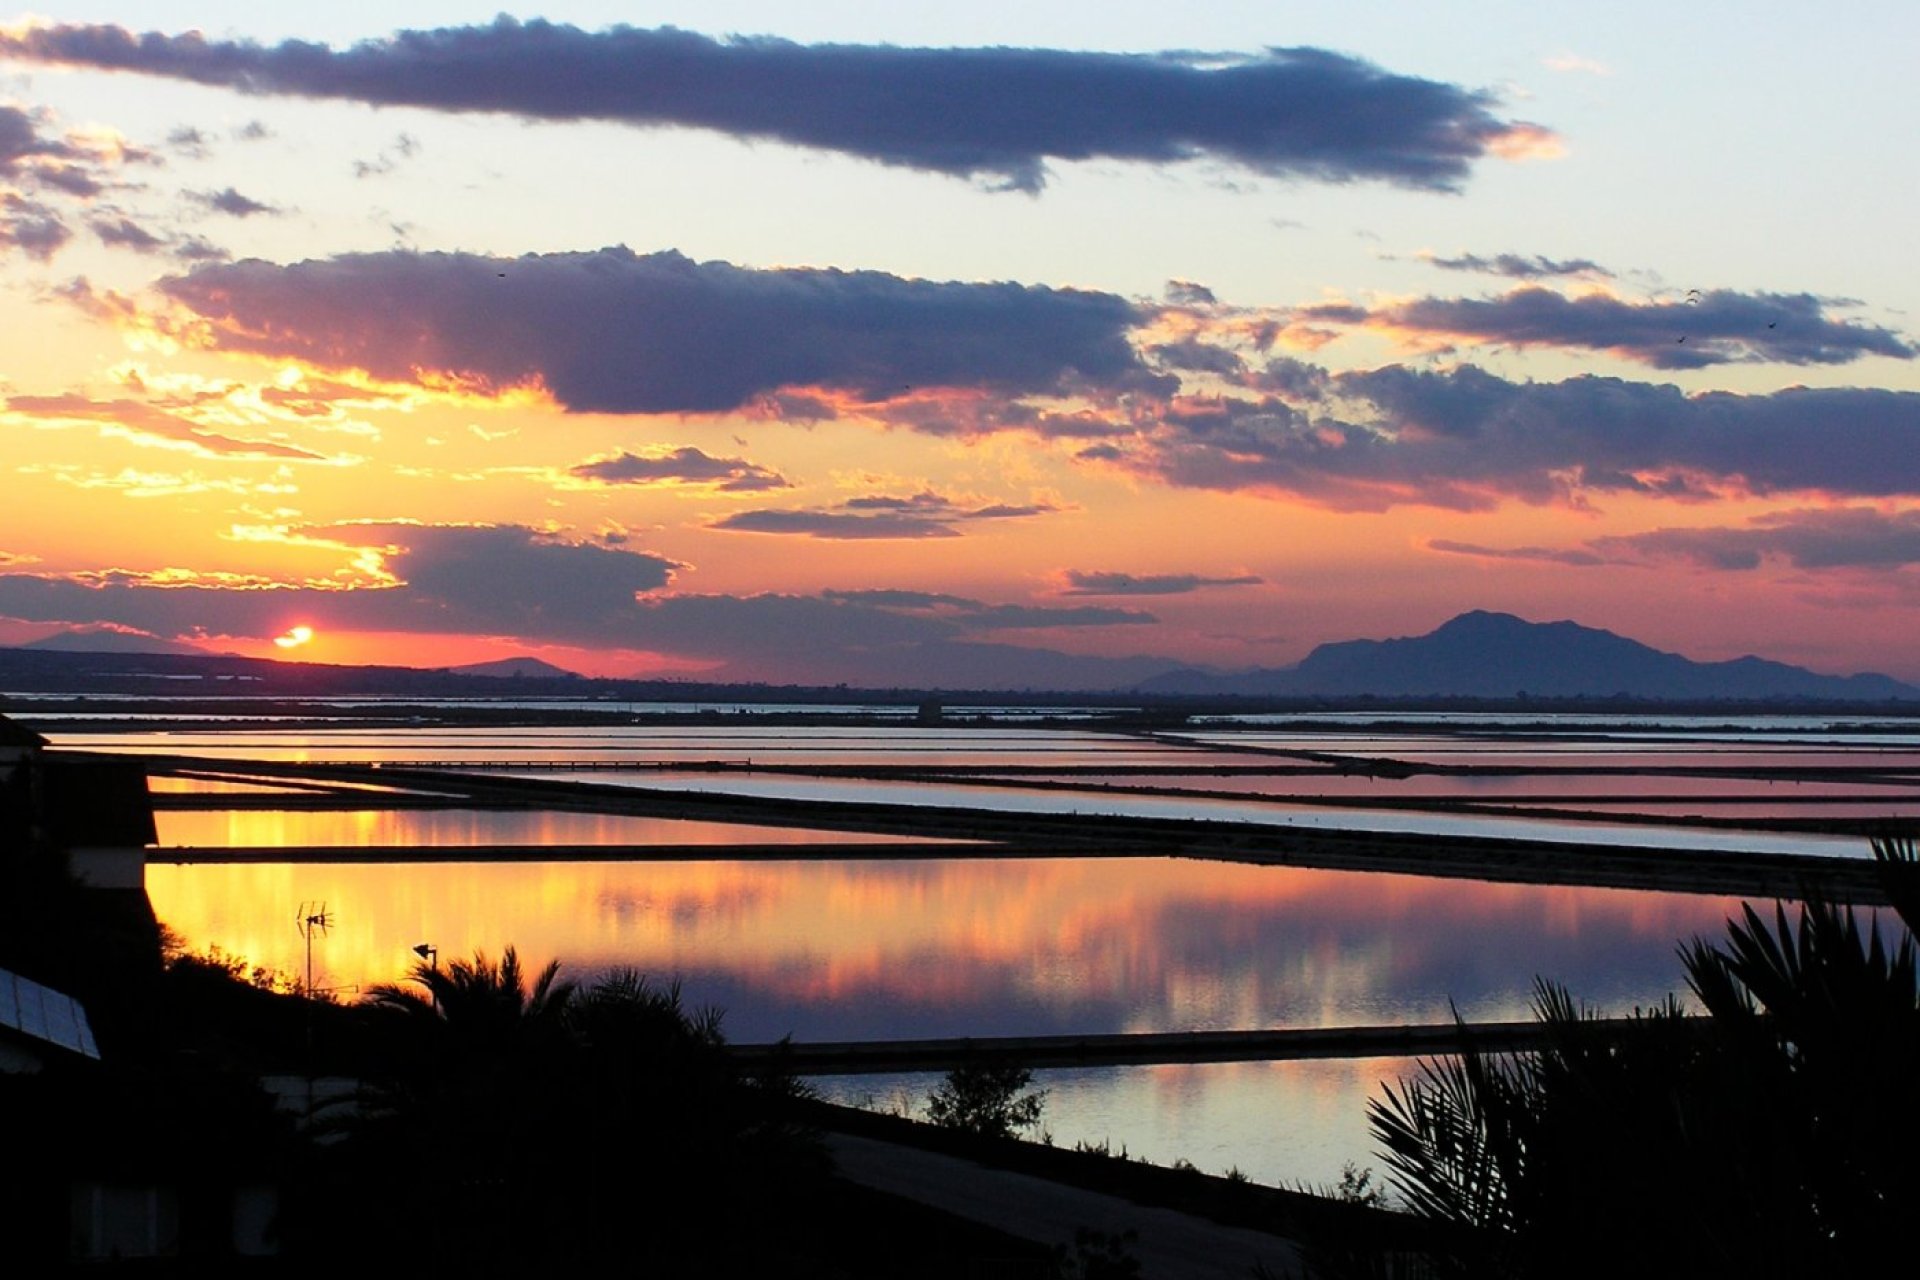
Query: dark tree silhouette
[987, 1098]
[1773, 1136]
[520, 1119]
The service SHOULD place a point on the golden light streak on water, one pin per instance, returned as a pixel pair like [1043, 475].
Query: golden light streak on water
[209, 828]
[1137, 944]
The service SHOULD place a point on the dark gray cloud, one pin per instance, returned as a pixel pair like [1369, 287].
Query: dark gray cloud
[1084, 583]
[1187, 293]
[508, 580]
[978, 615]
[1008, 617]
[73, 179]
[686, 465]
[976, 415]
[1294, 379]
[1000, 114]
[1822, 538]
[31, 227]
[922, 515]
[20, 140]
[486, 579]
[122, 232]
[795, 407]
[939, 506]
[1810, 538]
[836, 525]
[1335, 313]
[514, 582]
[194, 249]
[32, 159]
[231, 202]
[1467, 439]
[76, 165]
[1196, 356]
[1544, 555]
[190, 142]
[899, 598]
[617, 332]
[1521, 266]
[1006, 511]
[1715, 327]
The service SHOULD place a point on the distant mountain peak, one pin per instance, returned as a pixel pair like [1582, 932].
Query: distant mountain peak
[522, 667]
[1484, 654]
[1491, 622]
[109, 640]
[1484, 618]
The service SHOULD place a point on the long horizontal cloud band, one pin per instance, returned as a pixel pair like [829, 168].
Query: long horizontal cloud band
[1713, 328]
[1846, 538]
[1468, 439]
[1855, 538]
[486, 580]
[508, 580]
[999, 112]
[613, 331]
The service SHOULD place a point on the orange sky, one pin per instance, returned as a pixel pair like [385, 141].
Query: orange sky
[440, 385]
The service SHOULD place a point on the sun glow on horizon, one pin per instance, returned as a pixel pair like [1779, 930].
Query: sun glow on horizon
[274, 354]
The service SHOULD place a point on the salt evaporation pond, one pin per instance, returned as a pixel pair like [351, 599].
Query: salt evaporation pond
[911, 948]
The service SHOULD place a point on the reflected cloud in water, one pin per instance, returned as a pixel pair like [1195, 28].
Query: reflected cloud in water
[907, 949]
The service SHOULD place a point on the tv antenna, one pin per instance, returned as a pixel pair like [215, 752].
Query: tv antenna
[312, 918]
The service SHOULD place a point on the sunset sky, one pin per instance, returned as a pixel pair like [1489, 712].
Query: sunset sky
[927, 344]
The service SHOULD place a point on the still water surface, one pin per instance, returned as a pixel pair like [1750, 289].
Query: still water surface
[1281, 1123]
[852, 950]
[861, 950]
[929, 948]
[228, 828]
[645, 745]
[1015, 799]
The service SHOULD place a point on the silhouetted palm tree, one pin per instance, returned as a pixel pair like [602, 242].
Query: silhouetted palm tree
[560, 1124]
[478, 997]
[1823, 1013]
[1775, 1136]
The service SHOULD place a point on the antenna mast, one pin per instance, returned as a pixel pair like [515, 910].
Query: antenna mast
[312, 918]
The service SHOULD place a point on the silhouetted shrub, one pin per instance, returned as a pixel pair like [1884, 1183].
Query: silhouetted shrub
[994, 1099]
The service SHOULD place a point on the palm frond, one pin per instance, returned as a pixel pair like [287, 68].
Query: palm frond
[1898, 861]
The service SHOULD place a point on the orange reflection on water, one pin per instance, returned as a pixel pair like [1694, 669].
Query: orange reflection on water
[211, 786]
[915, 947]
[273, 828]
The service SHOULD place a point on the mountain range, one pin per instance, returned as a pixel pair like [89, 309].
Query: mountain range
[109, 640]
[1496, 655]
[1477, 655]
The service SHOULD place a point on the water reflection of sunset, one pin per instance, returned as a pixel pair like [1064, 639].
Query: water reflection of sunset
[267, 828]
[905, 948]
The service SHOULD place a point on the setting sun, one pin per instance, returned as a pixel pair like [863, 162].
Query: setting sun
[1091, 403]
